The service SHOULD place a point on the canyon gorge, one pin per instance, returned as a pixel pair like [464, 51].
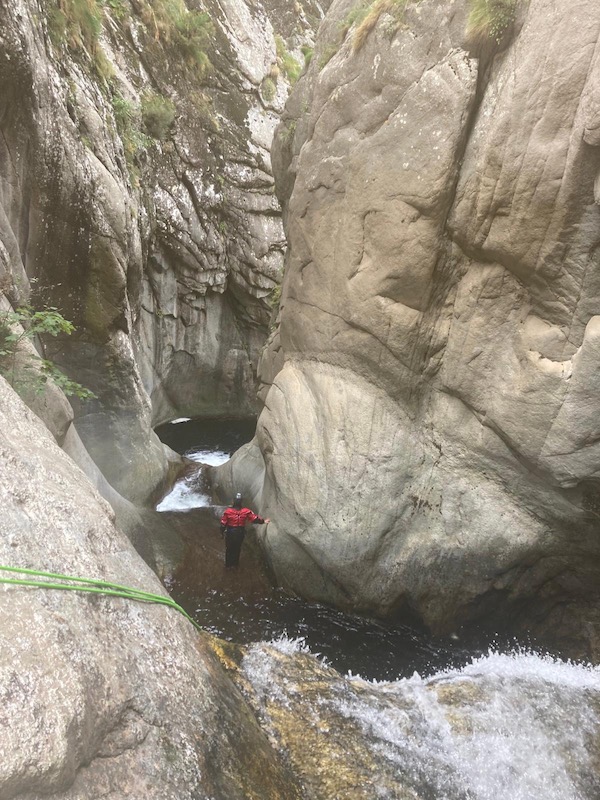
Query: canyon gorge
[374, 227]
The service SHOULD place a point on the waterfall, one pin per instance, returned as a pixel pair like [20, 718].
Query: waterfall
[520, 726]
[187, 493]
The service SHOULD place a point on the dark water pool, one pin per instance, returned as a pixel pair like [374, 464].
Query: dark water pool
[349, 643]
[223, 435]
[243, 606]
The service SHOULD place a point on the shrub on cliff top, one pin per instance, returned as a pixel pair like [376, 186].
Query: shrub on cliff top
[489, 20]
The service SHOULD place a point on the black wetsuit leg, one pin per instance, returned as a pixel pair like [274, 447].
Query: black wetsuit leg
[233, 544]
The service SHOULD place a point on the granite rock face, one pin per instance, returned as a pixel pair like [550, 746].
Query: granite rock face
[102, 696]
[429, 434]
[162, 245]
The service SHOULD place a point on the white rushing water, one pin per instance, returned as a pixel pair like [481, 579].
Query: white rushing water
[520, 726]
[185, 495]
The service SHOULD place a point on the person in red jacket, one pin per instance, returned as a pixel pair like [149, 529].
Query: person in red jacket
[233, 524]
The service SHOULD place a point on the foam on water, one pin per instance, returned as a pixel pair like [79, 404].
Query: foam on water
[526, 722]
[184, 496]
[211, 457]
[520, 726]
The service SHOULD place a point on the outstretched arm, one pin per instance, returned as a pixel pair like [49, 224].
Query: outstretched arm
[254, 519]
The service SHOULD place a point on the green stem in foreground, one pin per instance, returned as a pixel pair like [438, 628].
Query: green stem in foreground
[91, 586]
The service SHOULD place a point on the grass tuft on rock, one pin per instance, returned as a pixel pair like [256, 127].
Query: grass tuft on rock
[290, 67]
[76, 22]
[79, 23]
[158, 115]
[268, 89]
[184, 31]
[368, 17]
[490, 20]
[128, 124]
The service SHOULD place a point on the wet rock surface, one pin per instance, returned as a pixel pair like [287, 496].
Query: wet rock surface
[101, 695]
[519, 724]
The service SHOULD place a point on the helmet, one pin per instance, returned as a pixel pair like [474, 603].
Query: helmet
[237, 503]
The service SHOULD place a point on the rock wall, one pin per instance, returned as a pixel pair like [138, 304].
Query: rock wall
[430, 430]
[102, 696]
[163, 249]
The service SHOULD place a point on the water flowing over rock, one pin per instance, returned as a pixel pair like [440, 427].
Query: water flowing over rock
[521, 726]
[429, 433]
[102, 696]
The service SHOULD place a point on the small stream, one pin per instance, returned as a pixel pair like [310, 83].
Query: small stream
[244, 607]
[405, 715]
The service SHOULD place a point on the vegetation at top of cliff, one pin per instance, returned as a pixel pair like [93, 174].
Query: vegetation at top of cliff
[490, 20]
[28, 373]
[78, 24]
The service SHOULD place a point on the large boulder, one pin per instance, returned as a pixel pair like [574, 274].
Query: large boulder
[431, 395]
[103, 696]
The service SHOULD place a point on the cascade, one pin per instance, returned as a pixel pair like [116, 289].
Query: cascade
[515, 725]
[473, 723]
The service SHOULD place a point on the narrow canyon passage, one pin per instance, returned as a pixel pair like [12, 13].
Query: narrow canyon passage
[456, 718]
[244, 606]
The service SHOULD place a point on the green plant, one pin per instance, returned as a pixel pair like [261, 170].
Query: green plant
[203, 105]
[268, 89]
[291, 68]
[288, 132]
[194, 29]
[490, 20]
[274, 300]
[26, 372]
[158, 114]
[307, 52]
[355, 16]
[102, 66]
[187, 32]
[275, 297]
[328, 53]
[118, 9]
[78, 25]
[127, 121]
[76, 22]
[124, 112]
[371, 16]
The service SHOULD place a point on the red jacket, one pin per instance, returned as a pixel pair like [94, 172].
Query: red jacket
[238, 517]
